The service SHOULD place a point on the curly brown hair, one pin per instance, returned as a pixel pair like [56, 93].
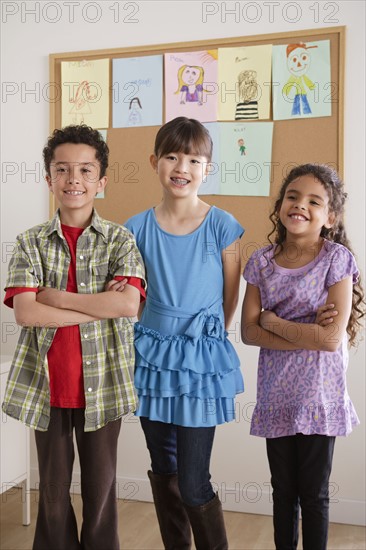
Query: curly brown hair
[334, 186]
[77, 134]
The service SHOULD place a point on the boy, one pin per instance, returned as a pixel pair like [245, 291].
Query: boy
[73, 365]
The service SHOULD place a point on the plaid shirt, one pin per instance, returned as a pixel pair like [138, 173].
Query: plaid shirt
[42, 258]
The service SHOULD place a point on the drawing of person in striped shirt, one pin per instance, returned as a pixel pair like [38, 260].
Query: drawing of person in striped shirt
[247, 108]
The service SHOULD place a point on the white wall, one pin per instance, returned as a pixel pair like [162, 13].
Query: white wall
[239, 464]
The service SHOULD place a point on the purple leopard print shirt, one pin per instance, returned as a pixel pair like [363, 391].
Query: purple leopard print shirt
[301, 391]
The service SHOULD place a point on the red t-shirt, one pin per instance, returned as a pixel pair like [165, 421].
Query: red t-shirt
[65, 354]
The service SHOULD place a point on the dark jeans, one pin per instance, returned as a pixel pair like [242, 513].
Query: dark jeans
[300, 468]
[185, 451]
[56, 527]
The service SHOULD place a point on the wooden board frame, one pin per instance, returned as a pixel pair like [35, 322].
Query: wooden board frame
[319, 139]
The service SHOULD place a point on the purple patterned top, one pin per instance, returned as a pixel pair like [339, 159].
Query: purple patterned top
[301, 391]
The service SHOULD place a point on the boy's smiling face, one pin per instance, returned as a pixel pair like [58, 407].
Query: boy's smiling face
[75, 178]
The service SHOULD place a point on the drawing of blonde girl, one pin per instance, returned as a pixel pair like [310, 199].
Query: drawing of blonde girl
[190, 84]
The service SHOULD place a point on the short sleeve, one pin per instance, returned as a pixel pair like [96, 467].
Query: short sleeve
[21, 271]
[343, 264]
[11, 292]
[126, 260]
[130, 226]
[252, 269]
[229, 229]
[136, 223]
[137, 283]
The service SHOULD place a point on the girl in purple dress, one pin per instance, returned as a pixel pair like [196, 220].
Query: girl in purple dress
[292, 289]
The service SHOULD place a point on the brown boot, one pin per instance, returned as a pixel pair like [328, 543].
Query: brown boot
[207, 522]
[173, 519]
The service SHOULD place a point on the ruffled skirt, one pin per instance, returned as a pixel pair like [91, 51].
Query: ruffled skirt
[186, 380]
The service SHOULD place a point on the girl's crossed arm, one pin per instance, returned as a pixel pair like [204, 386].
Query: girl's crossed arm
[313, 336]
[252, 333]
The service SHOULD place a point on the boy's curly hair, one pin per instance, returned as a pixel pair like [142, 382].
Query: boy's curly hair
[77, 134]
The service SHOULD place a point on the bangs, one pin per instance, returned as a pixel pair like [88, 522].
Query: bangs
[188, 138]
[189, 145]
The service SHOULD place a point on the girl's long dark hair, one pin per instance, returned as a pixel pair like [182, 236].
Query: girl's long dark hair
[337, 233]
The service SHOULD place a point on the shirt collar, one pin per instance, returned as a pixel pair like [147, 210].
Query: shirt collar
[54, 225]
[97, 223]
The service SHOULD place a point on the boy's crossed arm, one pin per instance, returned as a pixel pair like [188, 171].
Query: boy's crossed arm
[103, 305]
[29, 312]
[51, 306]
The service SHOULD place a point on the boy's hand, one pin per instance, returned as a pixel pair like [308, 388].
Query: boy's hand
[50, 297]
[325, 314]
[117, 286]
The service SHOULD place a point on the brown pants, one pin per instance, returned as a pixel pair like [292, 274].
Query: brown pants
[56, 527]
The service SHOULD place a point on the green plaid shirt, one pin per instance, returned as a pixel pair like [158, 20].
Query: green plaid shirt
[42, 258]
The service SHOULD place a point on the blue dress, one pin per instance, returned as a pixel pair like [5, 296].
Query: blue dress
[187, 372]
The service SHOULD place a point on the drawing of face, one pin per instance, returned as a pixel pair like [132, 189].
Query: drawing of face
[190, 75]
[240, 142]
[298, 62]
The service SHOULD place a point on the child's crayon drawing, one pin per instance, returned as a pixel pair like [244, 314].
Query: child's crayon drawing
[85, 92]
[191, 85]
[138, 91]
[244, 83]
[301, 80]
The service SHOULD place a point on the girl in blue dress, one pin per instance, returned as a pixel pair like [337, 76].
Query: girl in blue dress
[187, 372]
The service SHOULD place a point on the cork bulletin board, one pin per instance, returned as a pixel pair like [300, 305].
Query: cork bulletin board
[132, 184]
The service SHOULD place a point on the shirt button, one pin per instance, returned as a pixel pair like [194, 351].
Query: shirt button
[86, 335]
[82, 284]
[90, 389]
[81, 257]
[88, 362]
